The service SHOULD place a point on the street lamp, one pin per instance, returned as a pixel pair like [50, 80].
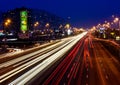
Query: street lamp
[117, 20]
[36, 24]
[8, 20]
[5, 24]
[67, 26]
[47, 25]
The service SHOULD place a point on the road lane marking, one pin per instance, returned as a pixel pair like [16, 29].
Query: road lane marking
[87, 69]
[103, 69]
[87, 76]
[106, 77]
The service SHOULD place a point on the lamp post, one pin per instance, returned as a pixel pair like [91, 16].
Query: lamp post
[36, 24]
[36, 27]
[7, 22]
[47, 25]
[117, 20]
[67, 26]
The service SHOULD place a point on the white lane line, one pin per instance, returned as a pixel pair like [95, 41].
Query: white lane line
[87, 76]
[104, 69]
[101, 64]
[106, 77]
[87, 69]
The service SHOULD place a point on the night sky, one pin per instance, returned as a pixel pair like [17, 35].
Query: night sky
[83, 13]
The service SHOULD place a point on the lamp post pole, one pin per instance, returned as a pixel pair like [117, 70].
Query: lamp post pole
[6, 24]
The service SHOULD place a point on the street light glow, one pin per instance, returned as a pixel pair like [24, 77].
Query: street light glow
[37, 23]
[6, 23]
[67, 26]
[116, 20]
[8, 20]
[47, 25]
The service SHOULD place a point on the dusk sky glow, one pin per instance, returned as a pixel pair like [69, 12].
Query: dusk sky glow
[83, 13]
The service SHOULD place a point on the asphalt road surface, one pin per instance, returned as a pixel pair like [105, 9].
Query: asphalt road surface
[88, 63]
[78, 60]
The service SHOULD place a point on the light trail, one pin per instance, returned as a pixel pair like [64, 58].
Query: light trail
[28, 64]
[99, 69]
[46, 63]
[64, 65]
[14, 61]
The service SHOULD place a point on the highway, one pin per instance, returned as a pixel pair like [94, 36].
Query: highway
[109, 66]
[77, 60]
[32, 61]
[89, 63]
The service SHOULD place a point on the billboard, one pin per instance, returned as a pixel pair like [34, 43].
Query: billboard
[23, 22]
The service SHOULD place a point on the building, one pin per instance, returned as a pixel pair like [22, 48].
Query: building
[34, 16]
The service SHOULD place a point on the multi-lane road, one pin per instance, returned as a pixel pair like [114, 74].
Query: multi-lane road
[77, 60]
[89, 63]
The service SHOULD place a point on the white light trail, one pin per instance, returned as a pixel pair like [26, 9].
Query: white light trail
[48, 62]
